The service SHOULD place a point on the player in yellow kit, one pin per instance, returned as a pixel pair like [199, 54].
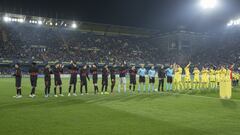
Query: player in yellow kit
[226, 83]
[212, 78]
[217, 75]
[228, 76]
[238, 77]
[223, 72]
[177, 81]
[234, 78]
[205, 78]
[187, 79]
[196, 79]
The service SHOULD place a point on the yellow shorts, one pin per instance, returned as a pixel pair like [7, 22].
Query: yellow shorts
[196, 80]
[187, 79]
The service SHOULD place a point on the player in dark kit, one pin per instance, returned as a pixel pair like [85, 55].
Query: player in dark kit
[47, 79]
[83, 78]
[161, 76]
[94, 72]
[122, 77]
[132, 73]
[33, 71]
[105, 73]
[73, 79]
[113, 76]
[57, 79]
[18, 80]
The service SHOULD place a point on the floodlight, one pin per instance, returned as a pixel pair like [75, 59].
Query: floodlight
[20, 20]
[235, 22]
[74, 25]
[40, 22]
[6, 19]
[208, 4]
[51, 23]
[230, 23]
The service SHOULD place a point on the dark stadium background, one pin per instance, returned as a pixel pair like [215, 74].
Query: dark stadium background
[164, 15]
[202, 44]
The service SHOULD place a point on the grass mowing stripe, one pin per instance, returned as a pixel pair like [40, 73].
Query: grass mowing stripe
[238, 100]
[141, 114]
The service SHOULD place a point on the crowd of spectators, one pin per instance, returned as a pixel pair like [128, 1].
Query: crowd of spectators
[29, 43]
[225, 50]
[51, 44]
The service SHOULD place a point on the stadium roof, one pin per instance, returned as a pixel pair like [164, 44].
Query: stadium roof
[79, 25]
[165, 15]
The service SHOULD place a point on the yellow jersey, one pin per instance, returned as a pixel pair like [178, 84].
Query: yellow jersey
[196, 73]
[205, 76]
[212, 75]
[187, 74]
[223, 73]
[217, 75]
[178, 75]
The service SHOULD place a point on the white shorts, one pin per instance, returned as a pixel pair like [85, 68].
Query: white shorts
[122, 80]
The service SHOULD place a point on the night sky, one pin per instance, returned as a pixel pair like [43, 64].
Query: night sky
[163, 15]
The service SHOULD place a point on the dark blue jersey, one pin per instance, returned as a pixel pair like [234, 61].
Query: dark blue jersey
[73, 70]
[105, 73]
[122, 71]
[113, 73]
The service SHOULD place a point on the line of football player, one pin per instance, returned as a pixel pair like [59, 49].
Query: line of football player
[204, 79]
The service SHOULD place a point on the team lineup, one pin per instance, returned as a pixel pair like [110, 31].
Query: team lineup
[175, 79]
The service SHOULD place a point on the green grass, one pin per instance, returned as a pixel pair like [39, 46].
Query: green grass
[195, 113]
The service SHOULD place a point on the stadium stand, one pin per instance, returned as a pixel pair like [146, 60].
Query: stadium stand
[102, 43]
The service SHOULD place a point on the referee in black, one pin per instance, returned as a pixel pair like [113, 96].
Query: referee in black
[161, 76]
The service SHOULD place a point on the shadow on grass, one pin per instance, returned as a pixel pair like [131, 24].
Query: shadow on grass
[229, 104]
[137, 97]
[91, 99]
[28, 103]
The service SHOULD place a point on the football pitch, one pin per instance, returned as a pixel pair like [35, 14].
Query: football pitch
[183, 113]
